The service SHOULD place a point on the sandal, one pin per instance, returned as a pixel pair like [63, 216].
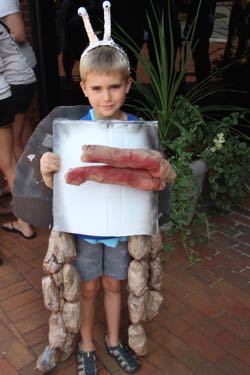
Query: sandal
[86, 362]
[10, 227]
[124, 357]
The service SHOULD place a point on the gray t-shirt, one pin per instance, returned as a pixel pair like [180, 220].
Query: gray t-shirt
[5, 90]
[16, 69]
[8, 7]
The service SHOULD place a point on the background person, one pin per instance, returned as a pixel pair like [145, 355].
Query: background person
[7, 158]
[10, 14]
[237, 51]
[199, 25]
[14, 68]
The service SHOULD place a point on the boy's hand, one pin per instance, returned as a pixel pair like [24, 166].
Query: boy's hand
[167, 172]
[49, 163]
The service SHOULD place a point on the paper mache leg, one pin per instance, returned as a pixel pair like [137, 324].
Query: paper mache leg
[61, 291]
[144, 285]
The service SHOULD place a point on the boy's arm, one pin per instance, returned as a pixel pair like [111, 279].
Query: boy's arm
[49, 163]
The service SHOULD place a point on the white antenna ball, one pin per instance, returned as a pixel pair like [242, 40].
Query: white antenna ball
[106, 4]
[82, 11]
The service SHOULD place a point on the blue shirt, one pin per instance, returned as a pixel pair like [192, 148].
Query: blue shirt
[108, 241]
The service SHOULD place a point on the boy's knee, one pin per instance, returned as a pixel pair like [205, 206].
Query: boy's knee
[111, 285]
[89, 289]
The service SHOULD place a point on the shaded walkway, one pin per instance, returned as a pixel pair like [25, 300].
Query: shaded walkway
[202, 329]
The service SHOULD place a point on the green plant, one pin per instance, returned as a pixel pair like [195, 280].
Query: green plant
[192, 129]
[184, 186]
[182, 194]
[180, 152]
[228, 161]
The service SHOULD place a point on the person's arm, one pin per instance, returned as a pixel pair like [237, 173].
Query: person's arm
[15, 23]
[49, 163]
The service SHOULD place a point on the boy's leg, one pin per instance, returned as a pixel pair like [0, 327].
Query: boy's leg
[89, 265]
[89, 291]
[116, 262]
[112, 305]
[86, 357]
[112, 302]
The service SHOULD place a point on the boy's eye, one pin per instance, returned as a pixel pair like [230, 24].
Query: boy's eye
[115, 86]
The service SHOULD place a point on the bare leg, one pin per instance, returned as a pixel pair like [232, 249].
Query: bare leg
[18, 128]
[7, 157]
[89, 291]
[8, 167]
[112, 304]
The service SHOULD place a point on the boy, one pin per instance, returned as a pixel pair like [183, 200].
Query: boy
[101, 261]
[105, 81]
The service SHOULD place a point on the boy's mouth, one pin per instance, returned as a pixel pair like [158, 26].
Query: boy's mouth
[106, 107]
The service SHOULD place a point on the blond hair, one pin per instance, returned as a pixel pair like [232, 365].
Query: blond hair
[104, 59]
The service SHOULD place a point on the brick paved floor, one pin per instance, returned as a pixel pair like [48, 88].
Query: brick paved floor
[203, 326]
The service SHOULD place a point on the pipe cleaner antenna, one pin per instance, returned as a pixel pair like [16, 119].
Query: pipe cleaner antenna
[107, 20]
[88, 27]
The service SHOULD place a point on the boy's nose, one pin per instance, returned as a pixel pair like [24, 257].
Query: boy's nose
[106, 95]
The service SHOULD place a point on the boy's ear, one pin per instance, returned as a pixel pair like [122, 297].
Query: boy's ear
[83, 87]
[129, 83]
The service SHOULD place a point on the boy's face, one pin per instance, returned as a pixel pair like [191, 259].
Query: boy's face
[106, 93]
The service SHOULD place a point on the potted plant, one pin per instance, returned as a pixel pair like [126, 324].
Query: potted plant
[220, 153]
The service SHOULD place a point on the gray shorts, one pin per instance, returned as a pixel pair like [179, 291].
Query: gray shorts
[96, 260]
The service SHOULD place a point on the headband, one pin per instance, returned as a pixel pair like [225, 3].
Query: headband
[94, 42]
